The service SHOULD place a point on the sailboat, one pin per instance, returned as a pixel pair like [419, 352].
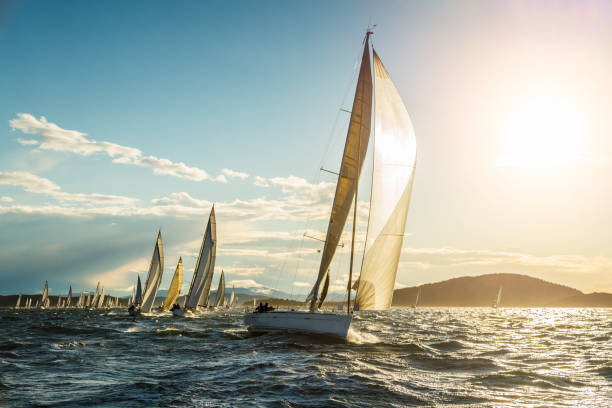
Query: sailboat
[18, 301]
[154, 277]
[220, 298]
[199, 290]
[134, 308]
[394, 160]
[94, 300]
[232, 298]
[45, 298]
[175, 287]
[101, 299]
[69, 298]
[498, 300]
[417, 300]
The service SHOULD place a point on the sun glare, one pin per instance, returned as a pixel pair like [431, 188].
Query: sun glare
[544, 130]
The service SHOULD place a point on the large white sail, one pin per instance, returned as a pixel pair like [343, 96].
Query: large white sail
[154, 276]
[203, 272]
[220, 291]
[69, 299]
[355, 149]
[45, 293]
[393, 173]
[175, 286]
[88, 302]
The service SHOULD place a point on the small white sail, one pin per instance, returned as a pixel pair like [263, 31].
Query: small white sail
[154, 277]
[101, 299]
[499, 297]
[418, 298]
[59, 301]
[138, 299]
[199, 290]
[45, 293]
[69, 299]
[393, 173]
[232, 298]
[175, 286]
[88, 302]
[94, 301]
[220, 291]
[18, 301]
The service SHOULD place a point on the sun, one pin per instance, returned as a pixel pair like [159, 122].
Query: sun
[545, 129]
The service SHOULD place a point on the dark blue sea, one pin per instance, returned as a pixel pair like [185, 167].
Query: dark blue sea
[402, 357]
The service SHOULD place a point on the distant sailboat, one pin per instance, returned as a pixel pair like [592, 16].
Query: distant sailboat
[175, 287]
[88, 302]
[199, 290]
[220, 298]
[417, 300]
[101, 299]
[394, 153]
[45, 299]
[18, 301]
[94, 301]
[232, 298]
[134, 308]
[497, 302]
[69, 298]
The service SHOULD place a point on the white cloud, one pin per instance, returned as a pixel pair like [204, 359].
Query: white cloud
[245, 283]
[6, 199]
[243, 271]
[56, 138]
[27, 142]
[261, 182]
[39, 185]
[234, 174]
[301, 284]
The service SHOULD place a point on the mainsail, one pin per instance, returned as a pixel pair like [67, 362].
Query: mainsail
[204, 269]
[392, 176]
[138, 298]
[232, 298]
[88, 302]
[499, 297]
[19, 301]
[154, 277]
[45, 293]
[220, 291]
[175, 286]
[101, 299]
[355, 149]
[69, 299]
[94, 301]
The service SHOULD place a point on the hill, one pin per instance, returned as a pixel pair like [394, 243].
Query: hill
[518, 291]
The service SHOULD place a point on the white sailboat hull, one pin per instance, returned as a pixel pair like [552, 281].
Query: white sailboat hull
[331, 324]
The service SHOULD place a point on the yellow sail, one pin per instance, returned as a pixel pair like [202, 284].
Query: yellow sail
[175, 286]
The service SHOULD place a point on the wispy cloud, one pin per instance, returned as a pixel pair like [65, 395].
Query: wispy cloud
[234, 174]
[39, 185]
[243, 271]
[53, 137]
[6, 199]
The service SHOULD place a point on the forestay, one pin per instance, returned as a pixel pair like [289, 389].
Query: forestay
[393, 173]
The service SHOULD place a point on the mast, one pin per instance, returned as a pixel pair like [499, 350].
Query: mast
[357, 138]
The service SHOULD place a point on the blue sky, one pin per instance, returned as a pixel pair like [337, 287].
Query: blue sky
[246, 95]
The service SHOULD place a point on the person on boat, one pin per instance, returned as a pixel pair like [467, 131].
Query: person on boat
[132, 308]
[260, 308]
[175, 306]
[266, 307]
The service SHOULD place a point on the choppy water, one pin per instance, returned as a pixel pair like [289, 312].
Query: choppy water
[403, 357]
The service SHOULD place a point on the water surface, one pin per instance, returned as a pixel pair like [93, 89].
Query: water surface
[402, 357]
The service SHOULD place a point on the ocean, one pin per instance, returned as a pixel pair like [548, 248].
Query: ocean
[476, 357]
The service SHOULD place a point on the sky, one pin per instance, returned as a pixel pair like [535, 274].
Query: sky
[118, 119]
